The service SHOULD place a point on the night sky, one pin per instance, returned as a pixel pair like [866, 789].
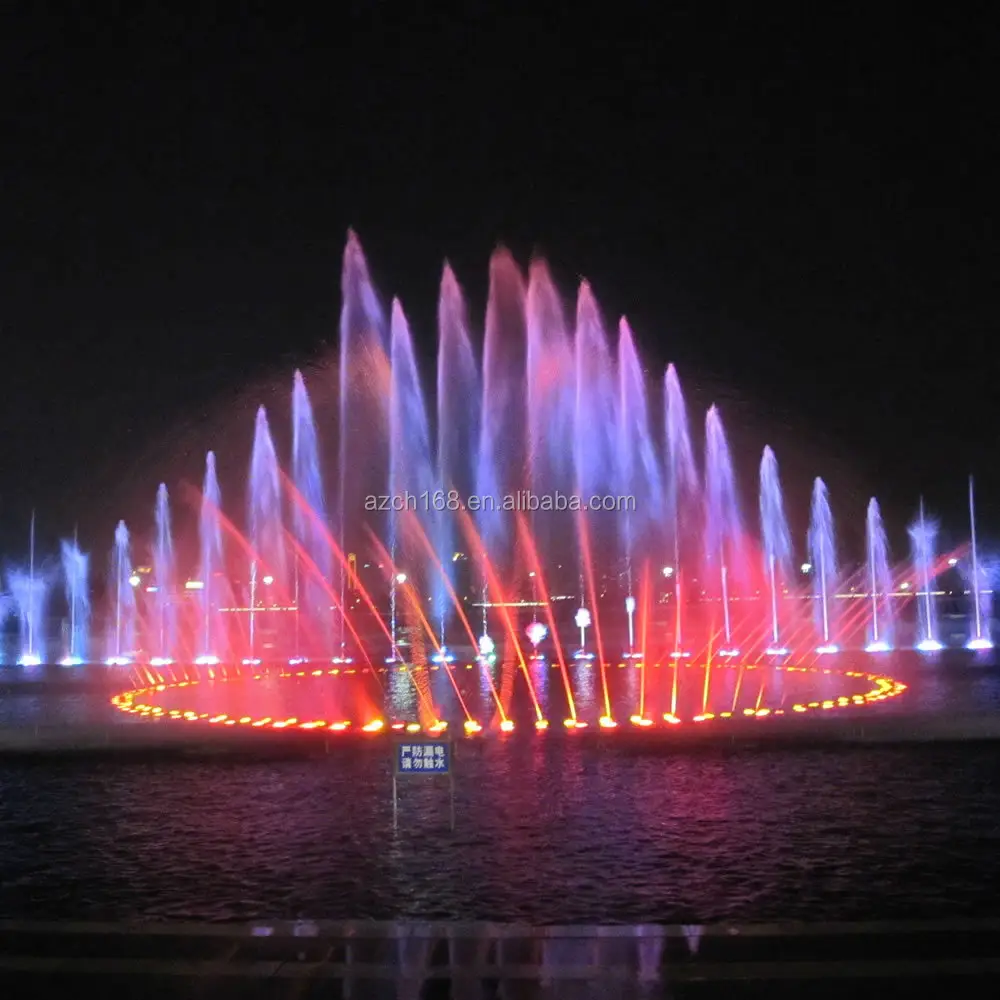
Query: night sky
[801, 213]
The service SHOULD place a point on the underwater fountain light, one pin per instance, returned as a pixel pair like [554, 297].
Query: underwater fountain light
[444, 655]
[471, 726]
[827, 647]
[979, 642]
[71, 661]
[776, 651]
[249, 661]
[117, 661]
[296, 661]
[375, 726]
[929, 646]
[729, 653]
[29, 660]
[606, 722]
[541, 724]
[507, 726]
[879, 646]
[161, 661]
[211, 660]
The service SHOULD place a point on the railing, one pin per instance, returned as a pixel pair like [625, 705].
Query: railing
[477, 960]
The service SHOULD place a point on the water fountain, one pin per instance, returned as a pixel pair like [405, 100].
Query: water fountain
[881, 625]
[923, 535]
[980, 638]
[309, 518]
[682, 485]
[75, 566]
[122, 584]
[723, 529]
[211, 640]
[164, 584]
[30, 592]
[777, 544]
[823, 552]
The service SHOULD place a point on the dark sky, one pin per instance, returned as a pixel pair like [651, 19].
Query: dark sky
[801, 208]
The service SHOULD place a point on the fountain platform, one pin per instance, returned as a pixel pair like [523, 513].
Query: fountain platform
[469, 960]
[172, 736]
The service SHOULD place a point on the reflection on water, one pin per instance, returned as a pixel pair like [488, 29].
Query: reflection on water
[549, 829]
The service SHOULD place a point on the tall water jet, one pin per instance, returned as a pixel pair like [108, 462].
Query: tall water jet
[309, 517]
[823, 555]
[923, 535]
[211, 641]
[880, 627]
[681, 488]
[165, 582]
[980, 638]
[503, 435]
[723, 529]
[458, 431]
[75, 565]
[122, 592]
[551, 404]
[29, 593]
[412, 484]
[267, 535]
[363, 407]
[638, 471]
[777, 543]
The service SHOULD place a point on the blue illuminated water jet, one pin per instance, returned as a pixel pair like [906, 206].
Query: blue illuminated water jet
[881, 624]
[681, 487]
[777, 544]
[723, 528]
[823, 552]
[923, 535]
[75, 568]
[164, 577]
[309, 518]
[980, 638]
[212, 640]
[30, 593]
[267, 533]
[122, 638]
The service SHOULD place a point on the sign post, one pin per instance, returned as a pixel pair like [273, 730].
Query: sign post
[421, 757]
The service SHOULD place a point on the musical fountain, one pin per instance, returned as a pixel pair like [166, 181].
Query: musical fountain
[406, 602]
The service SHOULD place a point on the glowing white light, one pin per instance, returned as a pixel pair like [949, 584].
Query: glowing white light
[194, 585]
[952, 562]
[71, 661]
[152, 590]
[929, 646]
[160, 661]
[30, 660]
[728, 653]
[776, 651]
[400, 578]
[828, 647]
[668, 570]
[487, 647]
[806, 567]
[980, 642]
[879, 646]
[582, 618]
[117, 661]
[904, 586]
[134, 580]
[210, 660]
[267, 580]
[629, 605]
[536, 632]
